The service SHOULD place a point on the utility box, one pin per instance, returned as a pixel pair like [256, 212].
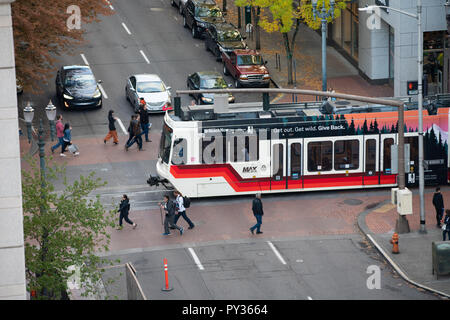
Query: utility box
[404, 201]
[441, 257]
[394, 195]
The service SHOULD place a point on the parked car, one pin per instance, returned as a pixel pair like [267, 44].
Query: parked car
[207, 80]
[76, 88]
[198, 15]
[180, 4]
[151, 88]
[223, 37]
[247, 68]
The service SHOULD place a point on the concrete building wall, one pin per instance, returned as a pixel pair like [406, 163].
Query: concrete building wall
[12, 259]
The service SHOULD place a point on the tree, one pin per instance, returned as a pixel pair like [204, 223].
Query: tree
[41, 32]
[62, 230]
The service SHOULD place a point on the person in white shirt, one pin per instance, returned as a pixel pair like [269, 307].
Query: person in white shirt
[179, 201]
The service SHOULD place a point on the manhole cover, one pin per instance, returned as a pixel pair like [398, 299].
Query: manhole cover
[353, 202]
[342, 103]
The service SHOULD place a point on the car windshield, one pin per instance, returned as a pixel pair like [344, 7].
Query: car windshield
[230, 35]
[249, 60]
[213, 83]
[150, 86]
[79, 80]
[205, 12]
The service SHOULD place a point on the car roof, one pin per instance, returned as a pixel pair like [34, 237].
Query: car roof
[246, 51]
[76, 67]
[204, 2]
[147, 77]
[209, 74]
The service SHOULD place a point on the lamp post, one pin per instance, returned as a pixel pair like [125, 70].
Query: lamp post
[324, 14]
[417, 16]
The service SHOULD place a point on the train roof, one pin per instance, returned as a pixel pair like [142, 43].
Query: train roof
[291, 112]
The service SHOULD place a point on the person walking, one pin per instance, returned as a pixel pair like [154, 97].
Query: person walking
[112, 128]
[67, 140]
[130, 131]
[59, 133]
[258, 212]
[181, 209]
[169, 207]
[438, 203]
[124, 210]
[446, 221]
[144, 118]
[137, 132]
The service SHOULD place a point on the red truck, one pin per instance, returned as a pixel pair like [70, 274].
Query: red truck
[247, 68]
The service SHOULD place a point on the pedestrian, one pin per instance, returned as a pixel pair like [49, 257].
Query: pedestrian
[258, 212]
[124, 210]
[59, 133]
[438, 203]
[144, 119]
[181, 209]
[169, 207]
[67, 140]
[130, 131]
[446, 222]
[112, 128]
[136, 127]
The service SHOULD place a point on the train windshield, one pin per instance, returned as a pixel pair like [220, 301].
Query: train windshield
[165, 144]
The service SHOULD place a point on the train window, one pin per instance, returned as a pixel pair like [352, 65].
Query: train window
[165, 143]
[245, 148]
[296, 164]
[277, 161]
[346, 154]
[320, 156]
[371, 156]
[179, 152]
[387, 154]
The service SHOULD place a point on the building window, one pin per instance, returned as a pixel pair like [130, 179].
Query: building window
[320, 157]
[345, 30]
[346, 155]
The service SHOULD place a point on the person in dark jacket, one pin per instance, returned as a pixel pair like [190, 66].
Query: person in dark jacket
[446, 221]
[124, 209]
[438, 203]
[169, 208]
[130, 132]
[67, 139]
[112, 128]
[136, 127]
[144, 118]
[258, 212]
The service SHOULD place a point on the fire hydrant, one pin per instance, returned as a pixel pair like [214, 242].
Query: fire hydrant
[394, 242]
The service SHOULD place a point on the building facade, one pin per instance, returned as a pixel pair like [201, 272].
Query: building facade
[384, 47]
[12, 258]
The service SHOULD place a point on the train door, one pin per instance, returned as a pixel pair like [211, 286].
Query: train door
[278, 164]
[371, 160]
[412, 170]
[386, 173]
[295, 164]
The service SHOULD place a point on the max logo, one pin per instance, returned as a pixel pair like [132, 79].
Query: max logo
[249, 170]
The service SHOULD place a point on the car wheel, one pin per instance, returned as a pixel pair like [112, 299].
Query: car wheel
[184, 22]
[194, 31]
[218, 56]
[225, 71]
[189, 88]
[237, 84]
[126, 95]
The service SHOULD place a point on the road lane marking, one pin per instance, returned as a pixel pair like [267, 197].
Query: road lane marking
[145, 57]
[122, 126]
[196, 259]
[175, 18]
[126, 28]
[309, 298]
[112, 8]
[103, 91]
[84, 59]
[276, 252]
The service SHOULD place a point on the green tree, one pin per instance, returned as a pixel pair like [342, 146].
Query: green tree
[61, 230]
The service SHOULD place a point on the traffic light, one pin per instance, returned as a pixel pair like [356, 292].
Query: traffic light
[412, 87]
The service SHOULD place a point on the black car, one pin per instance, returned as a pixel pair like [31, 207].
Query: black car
[76, 88]
[223, 37]
[207, 80]
[198, 15]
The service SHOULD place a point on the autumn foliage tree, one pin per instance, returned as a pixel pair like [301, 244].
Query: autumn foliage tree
[41, 34]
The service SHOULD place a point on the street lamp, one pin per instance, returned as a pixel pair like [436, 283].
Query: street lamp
[417, 16]
[324, 14]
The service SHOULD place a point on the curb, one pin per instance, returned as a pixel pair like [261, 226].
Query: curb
[365, 230]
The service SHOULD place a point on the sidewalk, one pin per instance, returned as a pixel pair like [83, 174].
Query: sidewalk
[414, 262]
[342, 76]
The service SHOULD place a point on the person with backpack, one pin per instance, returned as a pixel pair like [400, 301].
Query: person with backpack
[169, 207]
[446, 222]
[258, 212]
[137, 132]
[438, 203]
[124, 210]
[181, 208]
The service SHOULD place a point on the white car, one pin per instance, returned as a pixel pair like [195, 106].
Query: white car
[151, 88]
